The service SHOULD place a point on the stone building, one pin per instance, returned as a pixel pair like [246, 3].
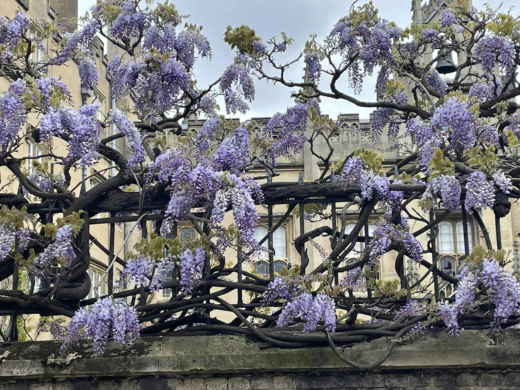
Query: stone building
[60, 10]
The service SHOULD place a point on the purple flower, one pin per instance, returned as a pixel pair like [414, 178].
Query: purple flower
[126, 127]
[107, 317]
[447, 18]
[7, 238]
[278, 289]
[505, 291]
[88, 73]
[466, 290]
[449, 190]
[489, 48]
[161, 274]
[449, 315]
[435, 81]
[138, 270]
[502, 182]
[191, 269]
[430, 34]
[413, 247]
[480, 192]
[313, 61]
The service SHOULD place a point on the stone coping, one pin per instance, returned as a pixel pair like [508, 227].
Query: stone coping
[223, 354]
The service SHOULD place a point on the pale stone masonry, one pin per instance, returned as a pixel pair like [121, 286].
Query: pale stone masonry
[471, 361]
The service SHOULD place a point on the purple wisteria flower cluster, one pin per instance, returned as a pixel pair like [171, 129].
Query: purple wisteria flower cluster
[503, 291]
[132, 134]
[61, 249]
[310, 310]
[108, 317]
[191, 264]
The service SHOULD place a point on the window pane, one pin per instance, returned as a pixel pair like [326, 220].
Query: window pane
[348, 230]
[279, 243]
[262, 269]
[278, 266]
[448, 265]
[446, 238]
[187, 233]
[260, 233]
[460, 237]
[167, 292]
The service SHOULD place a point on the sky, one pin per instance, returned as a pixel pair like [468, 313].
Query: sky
[298, 19]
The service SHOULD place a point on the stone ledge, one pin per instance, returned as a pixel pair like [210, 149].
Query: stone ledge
[210, 355]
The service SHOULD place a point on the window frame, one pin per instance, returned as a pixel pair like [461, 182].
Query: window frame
[266, 244]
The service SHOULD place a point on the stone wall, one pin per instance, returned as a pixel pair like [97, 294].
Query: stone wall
[470, 361]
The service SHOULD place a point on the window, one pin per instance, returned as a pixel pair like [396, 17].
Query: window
[446, 244]
[97, 288]
[279, 242]
[451, 237]
[260, 233]
[278, 266]
[113, 170]
[186, 233]
[460, 237]
[448, 265]
[348, 230]
[33, 151]
[262, 269]
[39, 54]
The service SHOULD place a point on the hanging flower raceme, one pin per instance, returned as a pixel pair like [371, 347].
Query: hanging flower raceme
[502, 290]
[191, 264]
[127, 127]
[88, 73]
[280, 288]
[480, 192]
[107, 318]
[61, 250]
[12, 115]
[79, 41]
[237, 75]
[489, 49]
[131, 22]
[233, 153]
[138, 270]
[447, 188]
[162, 272]
[12, 30]
[460, 124]
[311, 310]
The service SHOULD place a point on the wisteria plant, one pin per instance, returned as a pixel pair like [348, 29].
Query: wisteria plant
[458, 138]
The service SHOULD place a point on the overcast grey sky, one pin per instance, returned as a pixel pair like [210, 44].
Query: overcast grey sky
[297, 18]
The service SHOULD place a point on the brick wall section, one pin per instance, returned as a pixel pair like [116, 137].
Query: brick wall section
[426, 380]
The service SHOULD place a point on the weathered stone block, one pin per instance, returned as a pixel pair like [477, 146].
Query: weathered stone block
[489, 379]
[154, 384]
[283, 382]
[262, 382]
[216, 384]
[441, 379]
[397, 380]
[175, 383]
[194, 384]
[466, 379]
[422, 379]
[512, 379]
[239, 383]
